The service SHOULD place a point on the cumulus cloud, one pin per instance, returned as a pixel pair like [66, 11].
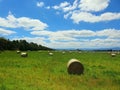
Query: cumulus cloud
[40, 4]
[66, 6]
[65, 35]
[22, 22]
[6, 32]
[76, 38]
[98, 42]
[110, 33]
[86, 43]
[53, 36]
[83, 43]
[42, 33]
[82, 11]
[62, 5]
[83, 5]
[88, 17]
[96, 5]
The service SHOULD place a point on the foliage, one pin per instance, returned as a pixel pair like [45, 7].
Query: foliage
[20, 45]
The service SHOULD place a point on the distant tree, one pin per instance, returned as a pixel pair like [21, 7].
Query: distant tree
[22, 45]
[33, 46]
[3, 43]
[15, 44]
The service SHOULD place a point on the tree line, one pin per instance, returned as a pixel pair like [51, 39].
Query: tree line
[23, 45]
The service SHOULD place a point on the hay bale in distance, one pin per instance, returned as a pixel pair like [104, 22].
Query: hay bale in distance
[63, 52]
[74, 66]
[18, 52]
[50, 54]
[113, 54]
[79, 52]
[24, 54]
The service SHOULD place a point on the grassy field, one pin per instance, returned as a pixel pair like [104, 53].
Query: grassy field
[40, 71]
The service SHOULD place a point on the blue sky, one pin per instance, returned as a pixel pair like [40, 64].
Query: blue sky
[62, 23]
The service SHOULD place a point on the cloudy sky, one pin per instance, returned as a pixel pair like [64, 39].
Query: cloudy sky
[62, 23]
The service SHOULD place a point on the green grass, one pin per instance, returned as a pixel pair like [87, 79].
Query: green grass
[39, 71]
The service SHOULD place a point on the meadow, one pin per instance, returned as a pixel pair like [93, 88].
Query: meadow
[40, 71]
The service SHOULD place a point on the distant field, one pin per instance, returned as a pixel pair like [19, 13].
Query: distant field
[40, 71]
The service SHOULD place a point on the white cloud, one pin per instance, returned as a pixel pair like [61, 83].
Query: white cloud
[82, 10]
[105, 42]
[85, 43]
[53, 36]
[6, 32]
[106, 38]
[48, 7]
[83, 5]
[65, 34]
[110, 33]
[88, 17]
[67, 15]
[94, 43]
[80, 38]
[40, 4]
[61, 6]
[42, 33]
[96, 5]
[8, 22]
[22, 22]
[66, 6]
[71, 7]
[76, 38]
[32, 24]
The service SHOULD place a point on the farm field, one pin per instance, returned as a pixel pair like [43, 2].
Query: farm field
[40, 71]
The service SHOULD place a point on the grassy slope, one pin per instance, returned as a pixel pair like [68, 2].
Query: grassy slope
[39, 71]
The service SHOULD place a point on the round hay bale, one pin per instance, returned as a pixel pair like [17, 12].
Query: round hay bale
[74, 66]
[24, 54]
[18, 52]
[80, 52]
[63, 52]
[50, 54]
[113, 54]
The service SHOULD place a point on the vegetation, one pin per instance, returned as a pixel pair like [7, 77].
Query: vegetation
[22, 45]
[40, 71]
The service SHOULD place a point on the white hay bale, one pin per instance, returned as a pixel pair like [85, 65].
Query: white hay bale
[74, 66]
[63, 52]
[113, 54]
[79, 52]
[50, 54]
[24, 54]
[18, 52]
